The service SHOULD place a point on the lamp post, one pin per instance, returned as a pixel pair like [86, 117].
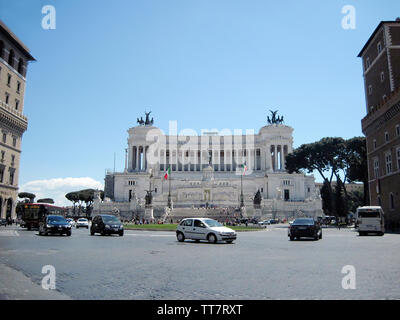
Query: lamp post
[241, 192]
[169, 203]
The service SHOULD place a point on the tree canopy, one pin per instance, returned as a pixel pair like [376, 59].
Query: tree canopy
[333, 157]
[46, 200]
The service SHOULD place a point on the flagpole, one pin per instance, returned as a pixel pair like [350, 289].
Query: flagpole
[169, 190]
[241, 188]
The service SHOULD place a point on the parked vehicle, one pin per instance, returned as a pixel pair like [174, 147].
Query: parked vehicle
[106, 224]
[370, 220]
[264, 223]
[82, 223]
[304, 227]
[3, 222]
[273, 221]
[204, 229]
[52, 224]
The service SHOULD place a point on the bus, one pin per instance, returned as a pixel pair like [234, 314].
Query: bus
[370, 220]
[32, 213]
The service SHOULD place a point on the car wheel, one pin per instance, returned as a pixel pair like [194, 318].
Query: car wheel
[180, 236]
[68, 233]
[212, 238]
[121, 233]
[91, 233]
[320, 236]
[229, 241]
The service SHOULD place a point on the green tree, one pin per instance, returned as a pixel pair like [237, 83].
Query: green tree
[340, 200]
[27, 195]
[327, 201]
[46, 200]
[357, 164]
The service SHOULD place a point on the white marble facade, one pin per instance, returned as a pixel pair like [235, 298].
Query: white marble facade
[206, 170]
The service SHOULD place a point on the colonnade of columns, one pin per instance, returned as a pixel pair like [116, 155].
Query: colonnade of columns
[276, 157]
[271, 158]
[138, 158]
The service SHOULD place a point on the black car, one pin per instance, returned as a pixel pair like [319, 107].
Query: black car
[3, 222]
[52, 224]
[106, 224]
[305, 227]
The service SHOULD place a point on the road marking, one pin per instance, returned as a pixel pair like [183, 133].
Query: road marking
[149, 235]
[9, 233]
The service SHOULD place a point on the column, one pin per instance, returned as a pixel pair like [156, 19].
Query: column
[254, 159]
[126, 160]
[283, 158]
[137, 157]
[280, 157]
[276, 157]
[144, 158]
[269, 158]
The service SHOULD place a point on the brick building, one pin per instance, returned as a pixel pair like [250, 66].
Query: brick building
[14, 58]
[381, 125]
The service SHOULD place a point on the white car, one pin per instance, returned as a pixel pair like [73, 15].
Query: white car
[82, 223]
[264, 222]
[204, 229]
[71, 222]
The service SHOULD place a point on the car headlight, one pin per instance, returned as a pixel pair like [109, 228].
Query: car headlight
[49, 226]
[107, 226]
[68, 226]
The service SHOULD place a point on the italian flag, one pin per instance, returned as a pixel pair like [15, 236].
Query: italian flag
[244, 168]
[167, 173]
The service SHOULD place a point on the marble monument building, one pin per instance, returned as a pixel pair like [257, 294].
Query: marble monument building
[212, 171]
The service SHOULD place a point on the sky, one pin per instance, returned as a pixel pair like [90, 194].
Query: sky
[204, 63]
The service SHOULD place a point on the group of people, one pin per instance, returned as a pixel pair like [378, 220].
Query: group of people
[11, 221]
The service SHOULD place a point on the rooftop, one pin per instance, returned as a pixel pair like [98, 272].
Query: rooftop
[373, 34]
[16, 41]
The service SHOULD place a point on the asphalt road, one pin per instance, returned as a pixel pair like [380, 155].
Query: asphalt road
[153, 265]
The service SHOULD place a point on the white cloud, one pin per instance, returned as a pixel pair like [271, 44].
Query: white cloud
[57, 188]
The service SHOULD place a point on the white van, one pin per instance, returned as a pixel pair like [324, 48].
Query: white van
[370, 220]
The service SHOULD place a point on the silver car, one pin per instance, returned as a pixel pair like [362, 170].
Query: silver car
[82, 223]
[204, 229]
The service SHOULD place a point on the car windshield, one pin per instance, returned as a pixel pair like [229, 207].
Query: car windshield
[212, 223]
[110, 219]
[56, 219]
[82, 220]
[303, 222]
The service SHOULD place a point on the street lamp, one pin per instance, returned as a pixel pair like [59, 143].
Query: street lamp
[241, 193]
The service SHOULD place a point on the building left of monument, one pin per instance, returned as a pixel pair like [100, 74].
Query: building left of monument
[14, 58]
